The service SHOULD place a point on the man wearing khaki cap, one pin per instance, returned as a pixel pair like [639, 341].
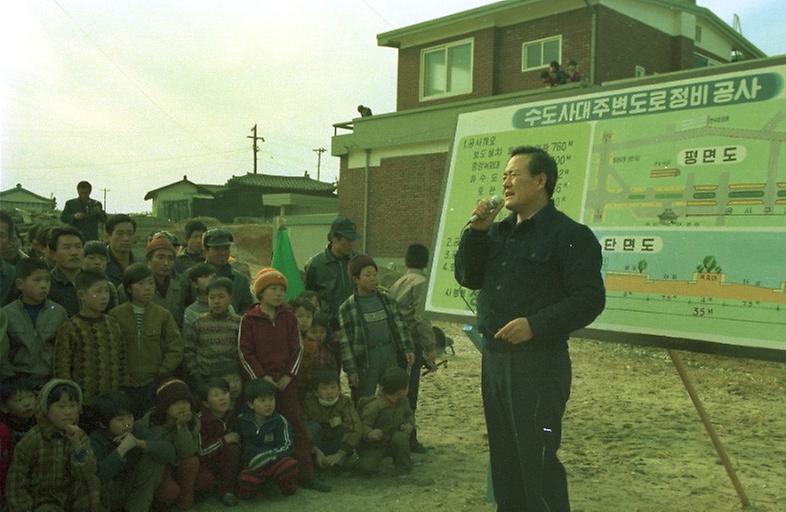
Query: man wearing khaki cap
[217, 243]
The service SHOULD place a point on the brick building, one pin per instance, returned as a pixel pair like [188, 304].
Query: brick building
[392, 166]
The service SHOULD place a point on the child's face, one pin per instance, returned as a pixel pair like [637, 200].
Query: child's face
[94, 262]
[203, 281]
[317, 333]
[273, 295]
[304, 319]
[179, 411]
[95, 298]
[218, 301]
[327, 390]
[121, 424]
[142, 291]
[398, 396]
[35, 287]
[194, 242]
[21, 404]
[64, 412]
[366, 282]
[263, 405]
[218, 401]
[235, 384]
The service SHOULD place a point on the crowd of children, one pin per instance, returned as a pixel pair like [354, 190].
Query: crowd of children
[110, 402]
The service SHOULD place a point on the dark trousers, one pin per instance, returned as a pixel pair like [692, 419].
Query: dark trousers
[414, 379]
[288, 406]
[223, 466]
[524, 397]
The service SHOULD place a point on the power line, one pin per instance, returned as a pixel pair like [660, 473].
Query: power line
[130, 80]
[371, 7]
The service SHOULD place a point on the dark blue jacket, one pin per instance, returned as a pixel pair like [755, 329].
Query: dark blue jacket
[547, 269]
[265, 443]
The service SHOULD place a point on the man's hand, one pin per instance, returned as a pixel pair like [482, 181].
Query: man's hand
[406, 428]
[431, 360]
[79, 216]
[410, 357]
[283, 382]
[516, 331]
[486, 215]
[375, 435]
[232, 438]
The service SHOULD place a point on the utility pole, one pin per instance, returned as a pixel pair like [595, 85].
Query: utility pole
[254, 146]
[319, 152]
[105, 190]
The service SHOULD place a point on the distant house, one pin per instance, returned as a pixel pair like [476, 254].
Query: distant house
[183, 199]
[249, 195]
[20, 197]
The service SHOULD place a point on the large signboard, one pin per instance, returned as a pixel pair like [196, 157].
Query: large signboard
[683, 183]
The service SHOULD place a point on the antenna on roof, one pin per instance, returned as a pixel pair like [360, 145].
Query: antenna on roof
[736, 25]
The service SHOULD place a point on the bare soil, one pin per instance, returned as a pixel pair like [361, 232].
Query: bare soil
[632, 440]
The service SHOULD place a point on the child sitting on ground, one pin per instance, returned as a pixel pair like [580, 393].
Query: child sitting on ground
[388, 422]
[172, 420]
[131, 461]
[219, 443]
[33, 321]
[153, 345]
[54, 465]
[90, 349]
[17, 406]
[230, 373]
[333, 422]
[211, 340]
[266, 438]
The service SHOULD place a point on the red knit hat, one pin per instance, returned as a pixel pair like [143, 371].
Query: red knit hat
[266, 277]
[159, 242]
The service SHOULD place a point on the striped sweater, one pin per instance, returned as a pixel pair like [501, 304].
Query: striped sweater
[211, 342]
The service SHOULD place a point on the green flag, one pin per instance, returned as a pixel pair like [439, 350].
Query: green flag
[284, 262]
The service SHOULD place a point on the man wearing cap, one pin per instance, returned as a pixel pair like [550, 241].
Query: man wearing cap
[326, 272]
[217, 243]
[171, 291]
[84, 213]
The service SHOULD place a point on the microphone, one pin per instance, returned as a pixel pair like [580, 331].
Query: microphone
[494, 202]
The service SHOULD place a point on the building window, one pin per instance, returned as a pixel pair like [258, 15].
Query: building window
[446, 70]
[639, 71]
[702, 61]
[698, 34]
[538, 54]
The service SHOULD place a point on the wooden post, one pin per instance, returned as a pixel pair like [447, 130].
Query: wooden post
[710, 429]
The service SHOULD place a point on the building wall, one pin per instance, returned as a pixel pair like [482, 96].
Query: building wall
[623, 43]
[22, 199]
[404, 201]
[482, 70]
[182, 191]
[576, 30]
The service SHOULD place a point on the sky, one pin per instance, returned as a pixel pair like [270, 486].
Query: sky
[133, 95]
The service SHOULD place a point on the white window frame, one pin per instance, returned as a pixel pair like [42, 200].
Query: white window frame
[539, 41]
[445, 47]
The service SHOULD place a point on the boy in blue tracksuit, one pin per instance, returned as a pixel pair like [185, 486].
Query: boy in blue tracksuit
[266, 438]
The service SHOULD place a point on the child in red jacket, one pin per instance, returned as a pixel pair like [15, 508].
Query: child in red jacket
[271, 349]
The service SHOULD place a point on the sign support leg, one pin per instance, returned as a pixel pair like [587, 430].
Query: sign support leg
[675, 358]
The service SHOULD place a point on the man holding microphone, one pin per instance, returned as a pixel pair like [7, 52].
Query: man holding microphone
[539, 276]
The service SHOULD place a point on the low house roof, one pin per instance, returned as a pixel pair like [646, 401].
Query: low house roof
[282, 183]
[20, 188]
[200, 188]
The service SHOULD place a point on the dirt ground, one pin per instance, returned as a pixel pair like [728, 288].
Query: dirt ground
[632, 439]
